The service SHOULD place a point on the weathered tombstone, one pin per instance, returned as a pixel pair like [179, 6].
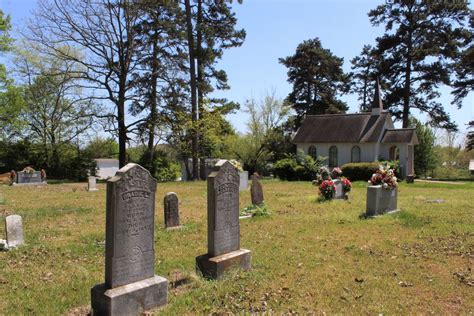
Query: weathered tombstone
[244, 180]
[256, 190]
[92, 183]
[339, 194]
[223, 227]
[171, 205]
[14, 231]
[131, 285]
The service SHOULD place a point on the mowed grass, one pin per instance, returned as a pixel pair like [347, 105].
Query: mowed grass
[306, 257]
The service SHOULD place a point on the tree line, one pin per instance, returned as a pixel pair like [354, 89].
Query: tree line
[144, 71]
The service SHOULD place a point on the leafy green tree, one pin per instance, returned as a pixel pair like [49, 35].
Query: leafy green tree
[11, 100]
[55, 113]
[317, 78]
[255, 149]
[421, 39]
[425, 155]
[5, 44]
[102, 148]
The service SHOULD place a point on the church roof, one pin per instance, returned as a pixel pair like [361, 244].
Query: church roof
[341, 128]
[400, 135]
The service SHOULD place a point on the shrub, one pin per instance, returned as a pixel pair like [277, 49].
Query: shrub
[298, 167]
[360, 170]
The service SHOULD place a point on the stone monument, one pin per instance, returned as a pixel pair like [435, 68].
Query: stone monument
[256, 190]
[339, 194]
[131, 285]
[223, 227]
[14, 231]
[171, 206]
[91, 183]
[244, 180]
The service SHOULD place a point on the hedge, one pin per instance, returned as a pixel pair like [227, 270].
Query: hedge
[359, 170]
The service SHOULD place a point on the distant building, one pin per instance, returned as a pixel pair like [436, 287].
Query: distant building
[471, 167]
[360, 137]
[106, 168]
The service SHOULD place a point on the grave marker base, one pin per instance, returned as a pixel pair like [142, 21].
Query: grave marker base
[216, 267]
[129, 299]
[30, 184]
[175, 227]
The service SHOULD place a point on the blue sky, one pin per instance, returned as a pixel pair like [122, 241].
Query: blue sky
[274, 29]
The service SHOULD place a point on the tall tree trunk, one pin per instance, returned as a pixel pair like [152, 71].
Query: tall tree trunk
[200, 63]
[153, 108]
[192, 72]
[199, 57]
[407, 87]
[122, 130]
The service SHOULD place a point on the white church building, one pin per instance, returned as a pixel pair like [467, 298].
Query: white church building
[360, 137]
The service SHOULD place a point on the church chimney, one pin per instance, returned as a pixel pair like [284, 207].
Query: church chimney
[377, 105]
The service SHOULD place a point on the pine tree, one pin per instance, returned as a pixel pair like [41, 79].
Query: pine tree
[365, 67]
[420, 40]
[470, 137]
[464, 67]
[317, 78]
[210, 30]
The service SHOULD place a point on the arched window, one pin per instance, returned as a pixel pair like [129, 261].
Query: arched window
[394, 153]
[332, 156]
[355, 154]
[312, 152]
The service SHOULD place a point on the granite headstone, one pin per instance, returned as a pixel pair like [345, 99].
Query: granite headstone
[171, 206]
[256, 190]
[339, 194]
[223, 224]
[14, 231]
[91, 183]
[131, 285]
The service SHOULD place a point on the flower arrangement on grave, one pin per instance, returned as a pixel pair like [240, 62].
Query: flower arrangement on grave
[236, 164]
[336, 173]
[327, 189]
[323, 174]
[326, 185]
[385, 177]
[28, 170]
[346, 185]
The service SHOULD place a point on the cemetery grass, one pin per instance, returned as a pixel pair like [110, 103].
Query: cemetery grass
[307, 256]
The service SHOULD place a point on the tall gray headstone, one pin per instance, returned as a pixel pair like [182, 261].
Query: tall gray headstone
[14, 231]
[91, 183]
[256, 190]
[131, 285]
[171, 206]
[223, 227]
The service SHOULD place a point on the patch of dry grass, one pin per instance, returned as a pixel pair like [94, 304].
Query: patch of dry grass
[307, 256]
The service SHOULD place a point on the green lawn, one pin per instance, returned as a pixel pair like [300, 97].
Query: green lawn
[307, 256]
